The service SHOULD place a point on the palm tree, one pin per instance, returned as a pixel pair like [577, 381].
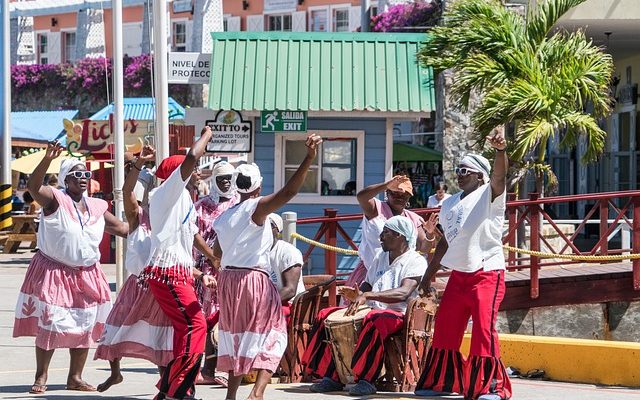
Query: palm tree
[524, 73]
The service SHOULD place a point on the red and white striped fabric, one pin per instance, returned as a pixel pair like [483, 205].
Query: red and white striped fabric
[137, 327]
[252, 329]
[62, 306]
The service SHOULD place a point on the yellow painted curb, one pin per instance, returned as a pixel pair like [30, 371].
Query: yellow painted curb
[571, 360]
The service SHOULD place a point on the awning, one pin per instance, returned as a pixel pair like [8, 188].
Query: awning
[318, 71]
[141, 109]
[414, 152]
[39, 126]
[28, 163]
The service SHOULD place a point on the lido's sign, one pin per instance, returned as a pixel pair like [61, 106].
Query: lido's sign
[283, 121]
[231, 133]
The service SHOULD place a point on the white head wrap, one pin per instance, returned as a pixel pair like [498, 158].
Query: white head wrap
[479, 163]
[219, 169]
[65, 167]
[276, 219]
[251, 171]
[405, 227]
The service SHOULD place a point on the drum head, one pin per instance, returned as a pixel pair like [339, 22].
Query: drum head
[339, 316]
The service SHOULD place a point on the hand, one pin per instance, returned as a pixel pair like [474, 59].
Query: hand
[313, 142]
[497, 141]
[425, 289]
[356, 304]
[148, 153]
[206, 131]
[209, 281]
[395, 182]
[54, 149]
[348, 292]
[429, 226]
[215, 262]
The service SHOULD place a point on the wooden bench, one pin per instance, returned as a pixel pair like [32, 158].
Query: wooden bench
[24, 230]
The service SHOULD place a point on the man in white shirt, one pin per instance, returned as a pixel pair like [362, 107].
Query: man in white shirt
[472, 248]
[390, 283]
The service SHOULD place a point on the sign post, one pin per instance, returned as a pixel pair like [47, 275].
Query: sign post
[189, 68]
[283, 121]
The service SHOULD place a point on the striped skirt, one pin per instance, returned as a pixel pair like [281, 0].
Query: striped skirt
[62, 306]
[252, 328]
[137, 327]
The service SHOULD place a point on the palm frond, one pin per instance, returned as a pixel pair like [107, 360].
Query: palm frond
[542, 18]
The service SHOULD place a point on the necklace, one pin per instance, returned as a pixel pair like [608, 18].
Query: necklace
[75, 206]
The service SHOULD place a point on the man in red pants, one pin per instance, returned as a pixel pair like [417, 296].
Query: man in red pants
[390, 283]
[471, 247]
[171, 272]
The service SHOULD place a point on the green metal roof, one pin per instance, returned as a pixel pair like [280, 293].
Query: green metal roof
[413, 152]
[375, 72]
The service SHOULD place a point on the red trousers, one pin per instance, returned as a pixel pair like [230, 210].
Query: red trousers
[180, 304]
[368, 357]
[477, 295]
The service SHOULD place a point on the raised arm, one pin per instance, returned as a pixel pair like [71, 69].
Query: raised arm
[272, 202]
[44, 194]
[366, 196]
[195, 152]
[130, 201]
[500, 164]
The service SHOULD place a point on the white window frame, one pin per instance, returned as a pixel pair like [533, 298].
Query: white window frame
[327, 10]
[65, 57]
[312, 198]
[281, 15]
[184, 21]
[40, 55]
[335, 7]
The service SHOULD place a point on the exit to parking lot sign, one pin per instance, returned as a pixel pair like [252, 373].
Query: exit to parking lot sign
[283, 121]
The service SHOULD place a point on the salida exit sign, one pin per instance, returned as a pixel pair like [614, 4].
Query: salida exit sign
[283, 121]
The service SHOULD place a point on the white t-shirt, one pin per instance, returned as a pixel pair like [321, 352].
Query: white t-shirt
[173, 223]
[138, 245]
[433, 202]
[473, 229]
[244, 244]
[282, 257]
[69, 237]
[382, 276]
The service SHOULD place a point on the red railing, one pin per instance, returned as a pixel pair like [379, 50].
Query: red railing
[615, 210]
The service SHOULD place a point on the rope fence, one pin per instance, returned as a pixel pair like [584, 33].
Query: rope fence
[574, 257]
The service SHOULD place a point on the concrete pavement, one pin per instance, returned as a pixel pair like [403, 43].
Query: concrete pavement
[17, 365]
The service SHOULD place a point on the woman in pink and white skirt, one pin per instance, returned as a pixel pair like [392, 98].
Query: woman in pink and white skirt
[65, 297]
[136, 327]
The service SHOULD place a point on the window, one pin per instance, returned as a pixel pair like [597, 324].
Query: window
[69, 54]
[341, 20]
[225, 24]
[180, 36]
[318, 21]
[43, 49]
[336, 172]
[279, 22]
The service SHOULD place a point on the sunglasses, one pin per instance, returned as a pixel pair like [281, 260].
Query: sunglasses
[80, 174]
[464, 171]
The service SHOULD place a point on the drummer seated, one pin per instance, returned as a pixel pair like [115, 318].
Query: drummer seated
[286, 266]
[391, 281]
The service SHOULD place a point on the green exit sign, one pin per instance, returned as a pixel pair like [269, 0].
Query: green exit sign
[283, 121]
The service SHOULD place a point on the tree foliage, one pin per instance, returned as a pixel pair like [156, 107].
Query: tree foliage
[524, 72]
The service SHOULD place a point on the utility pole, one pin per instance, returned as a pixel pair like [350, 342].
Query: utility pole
[160, 84]
[118, 132]
[5, 105]
[365, 15]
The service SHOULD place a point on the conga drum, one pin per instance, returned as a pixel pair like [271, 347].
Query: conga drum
[343, 331]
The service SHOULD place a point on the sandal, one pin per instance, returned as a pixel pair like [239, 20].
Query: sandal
[222, 381]
[38, 389]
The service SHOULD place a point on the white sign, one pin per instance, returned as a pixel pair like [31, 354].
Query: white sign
[231, 133]
[280, 5]
[181, 6]
[189, 68]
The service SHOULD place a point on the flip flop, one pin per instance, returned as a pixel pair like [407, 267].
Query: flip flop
[82, 387]
[206, 380]
[38, 389]
[222, 381]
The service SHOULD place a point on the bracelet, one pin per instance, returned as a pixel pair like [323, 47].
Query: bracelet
[136, 167]
[200, 277]
[500, 150]
[433, 239]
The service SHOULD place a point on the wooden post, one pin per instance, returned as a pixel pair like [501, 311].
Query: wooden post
[604, 224]
[330, 257]
[534, 240]
[513, 240]
[636, 242]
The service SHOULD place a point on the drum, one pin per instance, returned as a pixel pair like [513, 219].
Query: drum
[343, 331]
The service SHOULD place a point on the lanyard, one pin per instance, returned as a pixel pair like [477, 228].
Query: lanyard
[78, 213]
[189, 213]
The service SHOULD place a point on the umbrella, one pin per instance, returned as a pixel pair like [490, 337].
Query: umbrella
[28, 163]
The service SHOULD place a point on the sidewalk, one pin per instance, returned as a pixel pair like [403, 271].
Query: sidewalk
[17, 366]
